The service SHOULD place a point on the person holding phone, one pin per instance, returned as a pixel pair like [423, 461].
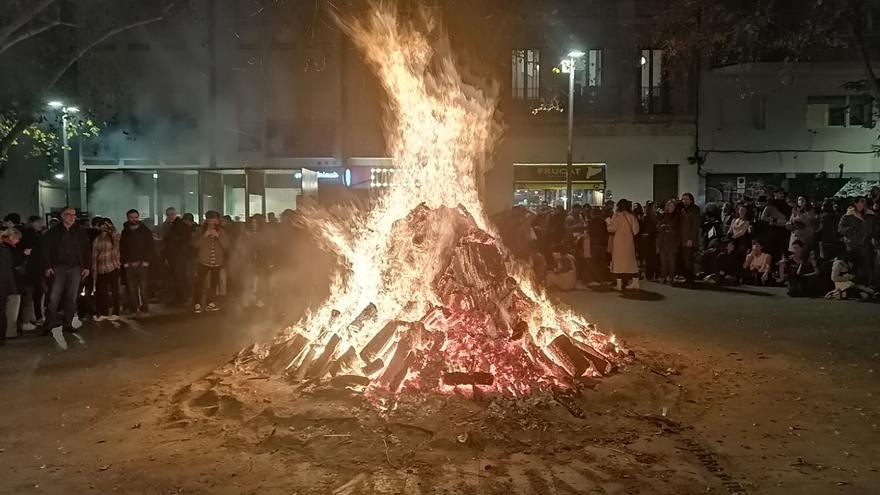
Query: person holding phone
[212, 242]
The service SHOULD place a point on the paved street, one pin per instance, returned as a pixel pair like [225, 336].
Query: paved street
[779, 394]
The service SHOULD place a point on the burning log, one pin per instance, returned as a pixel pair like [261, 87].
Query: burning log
[376, 347]
[600, 363]
[321, 365]
[373, 367]
[568, 356]
[284, 354]
[474, 378]
[345, 362]
[367, 314]
[300, 371]
[400, 362]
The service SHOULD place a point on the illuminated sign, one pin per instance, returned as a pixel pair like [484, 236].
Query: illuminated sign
[327, 175]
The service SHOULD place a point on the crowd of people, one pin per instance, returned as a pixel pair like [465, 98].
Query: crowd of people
[828, 249]
[52, 277]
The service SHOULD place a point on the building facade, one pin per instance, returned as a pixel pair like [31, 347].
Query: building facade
[808, 135]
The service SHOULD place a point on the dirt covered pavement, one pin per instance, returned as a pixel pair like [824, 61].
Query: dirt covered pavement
[731, 392]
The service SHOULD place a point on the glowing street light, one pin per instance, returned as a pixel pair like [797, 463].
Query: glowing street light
[568, 66]
[65, 111]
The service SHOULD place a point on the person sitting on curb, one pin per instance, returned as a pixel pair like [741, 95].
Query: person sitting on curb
[757, 264]
[845, 286]
[564, 274]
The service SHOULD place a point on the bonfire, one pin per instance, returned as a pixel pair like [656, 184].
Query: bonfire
[426, 297]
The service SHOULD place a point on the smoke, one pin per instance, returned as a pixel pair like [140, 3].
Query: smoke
[113, 195]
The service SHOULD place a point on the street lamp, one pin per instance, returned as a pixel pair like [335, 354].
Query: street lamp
[568, 66]
[65, 111]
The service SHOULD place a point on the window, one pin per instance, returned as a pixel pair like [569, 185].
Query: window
[839, 111]
[652, 81]
[525, 74]
[594, 68]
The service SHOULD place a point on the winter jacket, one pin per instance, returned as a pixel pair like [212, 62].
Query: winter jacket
[178, 242]
[7, 275]
[136, 245]
[625, 227]
[828, 223]
[66, 247]
[689, 225]
[856, 228]
[668, 236]
[211, 250]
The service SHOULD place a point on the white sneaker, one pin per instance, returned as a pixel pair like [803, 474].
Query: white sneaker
[198, 308]
[100, 318]
[28, 327]
[58, 335]
[633, 284]
[76, 323]
[113, 317]
[212, 307]
[260, 303]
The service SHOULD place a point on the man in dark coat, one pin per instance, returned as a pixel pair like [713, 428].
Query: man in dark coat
[689, 228]
[857, 229]
[179, 255]
[67, 258]
[136, 253]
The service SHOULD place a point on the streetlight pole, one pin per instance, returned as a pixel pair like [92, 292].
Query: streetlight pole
[65, 111]
[66, 159]
[569, 167]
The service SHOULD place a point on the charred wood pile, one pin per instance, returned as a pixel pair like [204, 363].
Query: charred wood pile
[479, 327]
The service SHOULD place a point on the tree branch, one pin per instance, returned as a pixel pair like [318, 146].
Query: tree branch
[26, 117]
[29, 33]
[873, 84]
[25, 16]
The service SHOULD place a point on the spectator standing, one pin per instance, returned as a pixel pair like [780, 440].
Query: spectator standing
[248, 260]
[689, 228]
[107, 266]
[668, 241]
[34, 282]
[776, 215]
[740, 232]
[136, 253]
[168, 223]
[179, 253]
[802, 224]
[857, 229]
[625, 227]
[212, 244]
[648, 241]
[15, 260]
[7, 277]
[67, 255]
[829, 238]
[597, 231]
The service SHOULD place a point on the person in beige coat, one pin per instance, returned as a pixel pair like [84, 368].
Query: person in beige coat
[624, 226]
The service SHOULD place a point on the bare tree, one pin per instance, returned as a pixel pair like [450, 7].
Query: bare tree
[100, 20]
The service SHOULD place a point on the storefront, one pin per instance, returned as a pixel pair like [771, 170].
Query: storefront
[537, 183]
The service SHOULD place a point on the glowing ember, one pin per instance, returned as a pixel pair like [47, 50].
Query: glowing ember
[426, 297]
